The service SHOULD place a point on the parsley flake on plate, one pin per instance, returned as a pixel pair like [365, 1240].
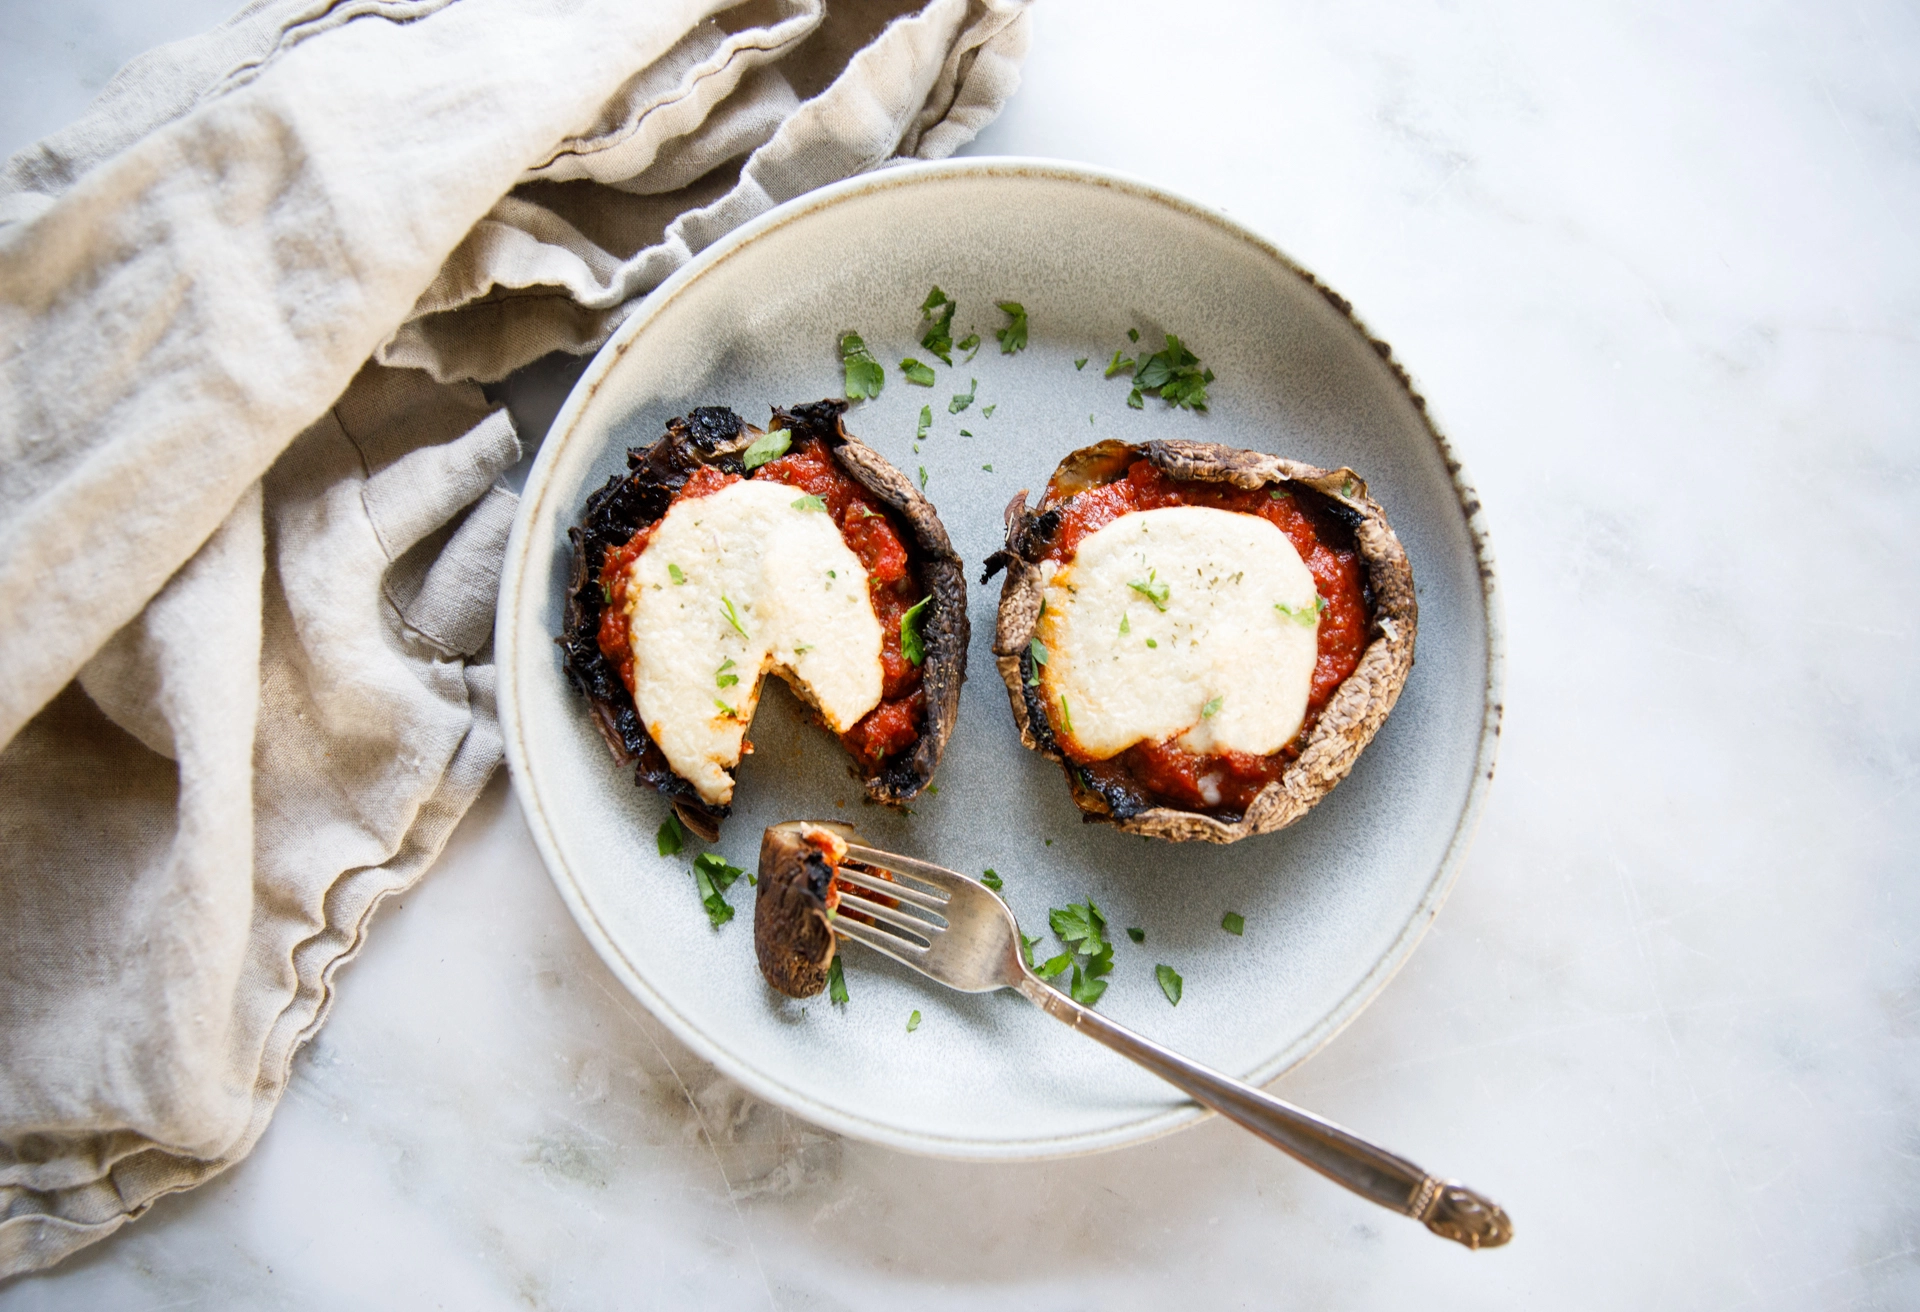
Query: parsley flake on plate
[1136, 934]
[986, 411]
[1170, 982]
[863, 375]
[923, 478]
[1014, 336]
[988, 468]
[913, 1021]
[836, 982]
[1054, 966]
[712, 876]
[938, 308]
[920, 375]
[671, 838]
[1233, 922]
[1081, 363]
[912, 645]
[1026, 949]
[961, 400]
[1173, 373]
[768, 446]
[992, 880]
[926, 422]
[971, 345]
[965, 433]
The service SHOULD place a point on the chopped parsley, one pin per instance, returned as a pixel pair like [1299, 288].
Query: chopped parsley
[1152, 643]
[720, 676]
[712, 876]
[863, 374]
[1081, 363]
[810, 503]
[673, 572]
[1084, 930]
[992, 880]
[726, 710]
[913, 1021]
[926, 422]
[1066, 715]
[1125, 627]
[1133, 334]
[1039, 650]
[938, 338]
[912, 645]
[1054, 965]
[672, 838]
[1026, 950]
[1153, 591]
[768, 446]
[1137, 934]
[1014, 336]
[836, 982]
[988, 468]
[1212, 708]
[1173, 373]
[986, 411]
[733, 616]
[606, 594]
[923, 478]
[965, 433]
[1305, 616]
[962, 400]
[1346, 488]
[1170, 982]
[1233, 922]
[921, 375]
[971, 345]
[1280, 494]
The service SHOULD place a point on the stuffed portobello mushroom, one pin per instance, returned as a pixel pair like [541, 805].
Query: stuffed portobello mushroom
[726, 553]
[1205, 638]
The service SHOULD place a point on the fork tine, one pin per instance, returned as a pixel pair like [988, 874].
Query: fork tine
[926, 929]
[938, 878]
[904, 892]
[887, 945]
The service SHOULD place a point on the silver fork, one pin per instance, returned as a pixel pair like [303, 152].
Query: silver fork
[958, 932]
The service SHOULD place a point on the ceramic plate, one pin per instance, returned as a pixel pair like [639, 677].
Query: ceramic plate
[1332, 905]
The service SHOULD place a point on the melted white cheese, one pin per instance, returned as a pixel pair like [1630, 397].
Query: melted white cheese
[1223, 658]
[800, 598]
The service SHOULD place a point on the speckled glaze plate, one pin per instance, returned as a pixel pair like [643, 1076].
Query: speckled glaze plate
[1333, 905]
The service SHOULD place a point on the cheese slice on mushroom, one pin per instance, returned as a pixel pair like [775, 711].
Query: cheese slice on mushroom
[742, 582]
[1184, 621]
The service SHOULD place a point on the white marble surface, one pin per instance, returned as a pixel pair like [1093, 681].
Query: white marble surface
[1658, 270]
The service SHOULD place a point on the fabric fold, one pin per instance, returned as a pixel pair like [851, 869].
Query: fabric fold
[252, 499]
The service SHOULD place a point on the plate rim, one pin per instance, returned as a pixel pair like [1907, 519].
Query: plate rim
[507, 655]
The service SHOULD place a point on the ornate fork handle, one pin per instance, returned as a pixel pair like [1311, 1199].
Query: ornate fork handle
[1446, 1207]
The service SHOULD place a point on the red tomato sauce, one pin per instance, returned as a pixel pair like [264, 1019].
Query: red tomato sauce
[1234, 778]
[869, 533]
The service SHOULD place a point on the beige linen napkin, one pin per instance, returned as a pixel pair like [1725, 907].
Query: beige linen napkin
[250, 526]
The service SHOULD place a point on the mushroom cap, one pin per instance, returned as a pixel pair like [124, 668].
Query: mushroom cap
[716, 436]
[1348, 722]
[792, 927]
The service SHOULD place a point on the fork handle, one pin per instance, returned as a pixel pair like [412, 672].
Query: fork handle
[1446, 1207]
